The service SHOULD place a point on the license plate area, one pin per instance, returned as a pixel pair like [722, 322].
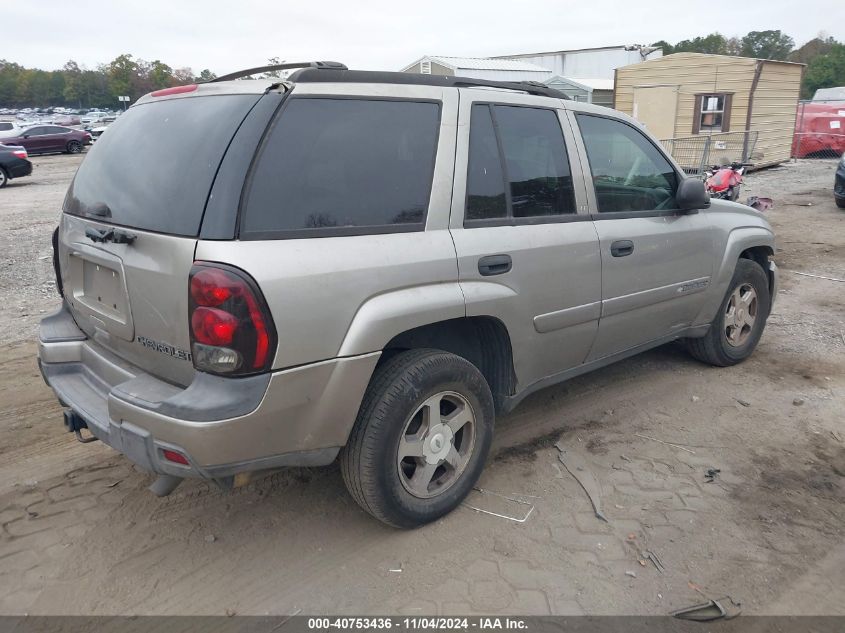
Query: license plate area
[98, 291]
[102, 291]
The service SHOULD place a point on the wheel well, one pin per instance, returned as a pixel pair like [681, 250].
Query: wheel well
[761, 254]
[483, 341]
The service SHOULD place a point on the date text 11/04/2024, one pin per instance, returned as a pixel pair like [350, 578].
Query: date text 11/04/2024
[417, 623]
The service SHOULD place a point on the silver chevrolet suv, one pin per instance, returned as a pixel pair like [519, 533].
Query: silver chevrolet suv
[372, 266]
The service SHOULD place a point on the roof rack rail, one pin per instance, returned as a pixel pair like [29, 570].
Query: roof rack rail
[531, 87]
[331, 75]
[266, 69]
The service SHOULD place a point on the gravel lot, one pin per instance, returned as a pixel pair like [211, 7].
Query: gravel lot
[81, 535]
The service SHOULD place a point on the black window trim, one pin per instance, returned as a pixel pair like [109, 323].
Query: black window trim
[626, 215]
[509, 220]
[347, 231]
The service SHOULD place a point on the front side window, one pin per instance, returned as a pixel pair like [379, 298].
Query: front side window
[629, 173]
[331, 165]
[518, 166]
[712, 113]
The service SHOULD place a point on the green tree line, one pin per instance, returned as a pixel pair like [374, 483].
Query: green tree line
[79, 87]
[824, 56]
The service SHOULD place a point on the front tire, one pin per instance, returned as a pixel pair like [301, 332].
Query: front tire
[840, 202]
[74, 147]
[739, 323]
[421, 437]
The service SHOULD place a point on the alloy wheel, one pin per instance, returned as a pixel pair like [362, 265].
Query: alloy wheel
[741, 314]
[436, 444]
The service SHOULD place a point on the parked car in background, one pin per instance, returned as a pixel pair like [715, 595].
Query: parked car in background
[839, 184]
[14, 163]
[96, 132]
[94, 117]
[67, 119]
[6, 126]
[45, 139]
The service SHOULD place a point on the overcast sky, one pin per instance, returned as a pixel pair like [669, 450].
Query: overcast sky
[378, 35]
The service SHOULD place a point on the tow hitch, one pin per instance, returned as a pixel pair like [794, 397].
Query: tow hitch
[74, 423]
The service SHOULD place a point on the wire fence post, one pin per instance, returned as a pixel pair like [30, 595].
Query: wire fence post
[799, 128]
[705, 155]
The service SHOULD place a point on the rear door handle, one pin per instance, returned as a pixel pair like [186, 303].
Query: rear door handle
[494, 265]
[621, 248]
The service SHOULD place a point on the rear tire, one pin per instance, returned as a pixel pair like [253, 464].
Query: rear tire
[73, 147]
[404, 463]
[840, 202]
[4, 178]
[739, 323]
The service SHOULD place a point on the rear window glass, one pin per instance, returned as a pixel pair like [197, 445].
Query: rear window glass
[329, 166]
[153, 168]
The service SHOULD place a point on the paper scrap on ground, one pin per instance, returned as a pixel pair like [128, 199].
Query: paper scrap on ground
[499, 505]
[578, 468]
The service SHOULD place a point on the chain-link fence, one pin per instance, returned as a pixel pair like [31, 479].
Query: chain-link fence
[819, 130]
[696, 153]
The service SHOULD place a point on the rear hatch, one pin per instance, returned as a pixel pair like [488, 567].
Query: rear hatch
[130, 224]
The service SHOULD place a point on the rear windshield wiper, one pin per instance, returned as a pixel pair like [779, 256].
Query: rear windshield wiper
[100, 209]
[116, 236]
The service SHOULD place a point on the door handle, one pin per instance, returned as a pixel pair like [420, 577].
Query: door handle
[621, 248]
[494, 265]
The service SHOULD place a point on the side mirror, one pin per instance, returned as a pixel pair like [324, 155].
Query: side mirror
[26, 136]
[692, 195]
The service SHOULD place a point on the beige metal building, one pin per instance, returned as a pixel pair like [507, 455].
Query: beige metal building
[688, 95]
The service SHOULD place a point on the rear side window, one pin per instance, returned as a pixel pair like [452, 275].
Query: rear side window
[485, 179]
[154, 168]
[335, 166]
[536, 181]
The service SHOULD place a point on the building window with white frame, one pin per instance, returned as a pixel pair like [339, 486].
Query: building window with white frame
[712, 113]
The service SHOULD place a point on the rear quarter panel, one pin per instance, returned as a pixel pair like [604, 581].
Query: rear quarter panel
[349, 295]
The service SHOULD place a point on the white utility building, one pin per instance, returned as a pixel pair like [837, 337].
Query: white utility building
[588, 63]
[479, 68]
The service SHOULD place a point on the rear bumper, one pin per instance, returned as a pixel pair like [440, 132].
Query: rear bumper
[19, 168]
[223, 426]
[839, 182]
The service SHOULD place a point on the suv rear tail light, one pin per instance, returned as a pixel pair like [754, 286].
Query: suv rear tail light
[232, 332]
[173, 456]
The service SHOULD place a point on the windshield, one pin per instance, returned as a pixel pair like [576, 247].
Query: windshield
[154, 168]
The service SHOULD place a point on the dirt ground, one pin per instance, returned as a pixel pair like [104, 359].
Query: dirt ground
[82, 535]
